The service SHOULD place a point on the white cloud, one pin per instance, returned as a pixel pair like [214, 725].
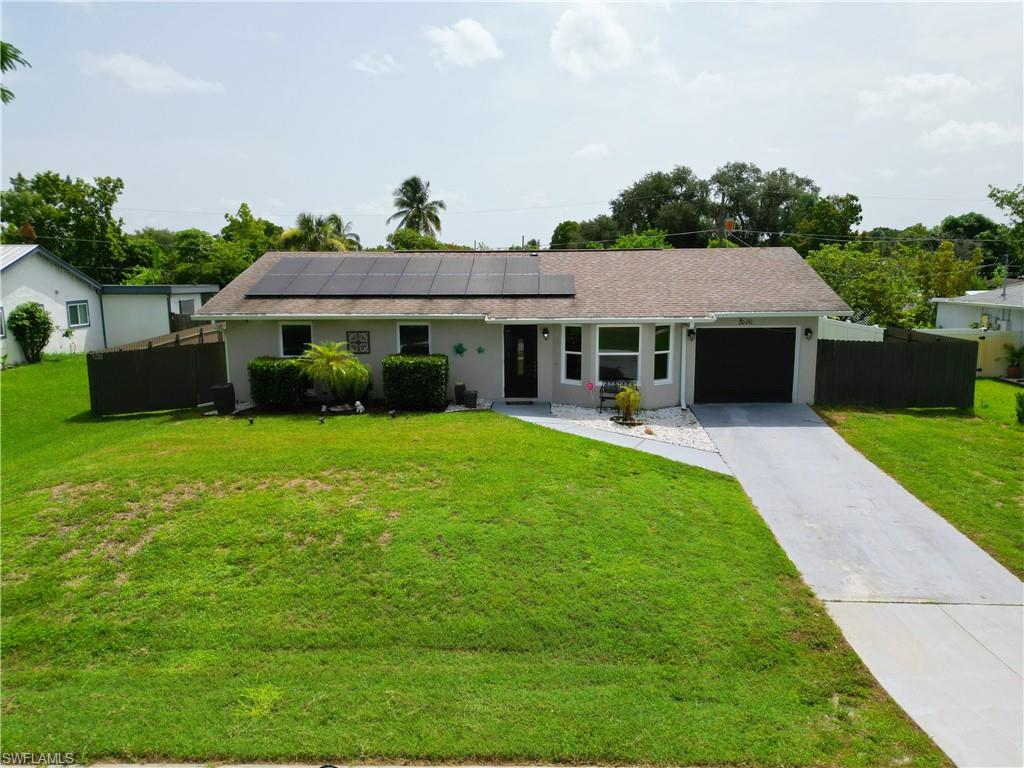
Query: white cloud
[464, 44]
[920, 96]
[703, 80]
[593, 150]
[590, 39]
[954, 136]
[536, 199]
[885, 173]
[142, 75]
[376, 63]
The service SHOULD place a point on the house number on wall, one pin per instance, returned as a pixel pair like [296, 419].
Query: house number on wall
[746, 321]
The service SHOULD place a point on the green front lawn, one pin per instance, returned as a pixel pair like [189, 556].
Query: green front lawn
[459, 587]
[968, 468]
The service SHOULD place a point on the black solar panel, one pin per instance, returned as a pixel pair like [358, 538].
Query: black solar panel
[378, 285]
[434, 276]
[449, 285]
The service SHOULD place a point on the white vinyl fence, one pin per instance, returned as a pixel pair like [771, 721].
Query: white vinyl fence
[841, 330]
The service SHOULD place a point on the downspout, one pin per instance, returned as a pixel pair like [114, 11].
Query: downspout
[103, 318]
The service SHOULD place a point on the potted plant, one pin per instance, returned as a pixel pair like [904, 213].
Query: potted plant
[331, 364]
[1013, 358]
[470, 398]
[628, 401]
[460, 393]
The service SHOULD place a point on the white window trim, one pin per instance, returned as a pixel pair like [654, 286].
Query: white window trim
[670, 352]
[78, 303]
[280, 336]
[638, 353]
[398, 337]
[565, 352]
[3, 324]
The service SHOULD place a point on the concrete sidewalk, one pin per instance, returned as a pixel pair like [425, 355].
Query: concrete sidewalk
[540, 413]
[934, 617]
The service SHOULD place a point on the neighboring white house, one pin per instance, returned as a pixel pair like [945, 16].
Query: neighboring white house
[689, 325]
[86, 314]
[992, 318]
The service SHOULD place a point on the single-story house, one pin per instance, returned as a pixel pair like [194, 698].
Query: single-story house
[993, 318]
[93, 315]
[689, 325]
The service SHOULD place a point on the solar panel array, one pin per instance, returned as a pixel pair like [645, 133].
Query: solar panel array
[420, 276]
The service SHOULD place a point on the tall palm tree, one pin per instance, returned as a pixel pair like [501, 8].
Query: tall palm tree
[415, 208]
[10, 58]
[320, 233]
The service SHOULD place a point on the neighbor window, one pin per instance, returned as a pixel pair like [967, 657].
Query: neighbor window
[78, 314]
[414, 339]
[618, 352]
[572, 353]
[295, 337]
[662, 352]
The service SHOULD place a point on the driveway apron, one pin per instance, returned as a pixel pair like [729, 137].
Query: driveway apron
[935, 618]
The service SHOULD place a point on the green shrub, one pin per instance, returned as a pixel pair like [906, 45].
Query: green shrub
[32, 326]
[331, 365]
[628, 401]
[415, 382]
[276, 382]
[1020, 407]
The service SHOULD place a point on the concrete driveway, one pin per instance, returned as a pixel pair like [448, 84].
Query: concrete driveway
[936, 619]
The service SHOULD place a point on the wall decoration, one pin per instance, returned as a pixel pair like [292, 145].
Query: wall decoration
[480, 350]
[460, 349]
[358, 342]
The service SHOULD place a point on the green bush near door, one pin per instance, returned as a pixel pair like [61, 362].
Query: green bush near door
[276, 382]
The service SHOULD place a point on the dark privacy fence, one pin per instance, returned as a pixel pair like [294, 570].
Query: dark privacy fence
[154, 379]
[907, 370]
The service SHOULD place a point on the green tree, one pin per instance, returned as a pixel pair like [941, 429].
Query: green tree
[533, 244]
[831, 217]
[72, 218]
[675, 202]
[10, 59]
[333, 366]
[320, 233]
[879, 290]
[255, 235]
[567, 235]
[411, 240]
[32, 326]
[761, 202]
[649, 238]
[941, 273]
[414, 208]
[600, 231]
[1011, 203]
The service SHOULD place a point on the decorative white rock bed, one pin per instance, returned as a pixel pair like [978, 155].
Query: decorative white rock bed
[669, 425]
[482, 404]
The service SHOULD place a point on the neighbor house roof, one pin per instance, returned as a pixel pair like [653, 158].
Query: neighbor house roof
[11, 254]
[624, 284]
[1014, 297]
[161, 289]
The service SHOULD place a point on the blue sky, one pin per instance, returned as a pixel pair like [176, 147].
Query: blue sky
[520, 115]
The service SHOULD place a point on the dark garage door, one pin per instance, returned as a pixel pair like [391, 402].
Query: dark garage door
[744, 365]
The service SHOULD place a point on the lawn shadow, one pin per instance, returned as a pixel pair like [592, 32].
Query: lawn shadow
[88, 417]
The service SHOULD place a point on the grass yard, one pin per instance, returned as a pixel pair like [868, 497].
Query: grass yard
[968, 468]
[459, 587]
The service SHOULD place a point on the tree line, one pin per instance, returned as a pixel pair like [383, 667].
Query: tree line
[886, 275]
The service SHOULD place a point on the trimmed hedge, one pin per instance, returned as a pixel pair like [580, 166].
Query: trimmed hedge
[276, 382]
[415, 382]
[1020, 407]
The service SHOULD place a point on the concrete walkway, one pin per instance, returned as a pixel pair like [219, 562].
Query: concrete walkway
[540, 413]
[936, 620]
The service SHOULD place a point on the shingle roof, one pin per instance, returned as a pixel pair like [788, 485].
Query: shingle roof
[1014, 297]
[674, 283]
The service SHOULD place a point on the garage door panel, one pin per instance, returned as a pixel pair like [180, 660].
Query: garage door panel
[744, 365]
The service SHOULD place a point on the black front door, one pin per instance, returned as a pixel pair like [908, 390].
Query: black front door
[520, 361]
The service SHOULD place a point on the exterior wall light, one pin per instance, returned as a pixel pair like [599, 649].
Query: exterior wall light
[691, 334]
[808, 333]
[545, 333]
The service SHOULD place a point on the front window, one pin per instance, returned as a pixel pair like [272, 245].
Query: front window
[662, 352]
[414, 339]
[78, 314]
[618, 352]
[572, 353]
[3, 324]
[295, 337]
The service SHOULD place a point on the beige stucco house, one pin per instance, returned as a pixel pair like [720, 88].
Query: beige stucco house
[697, 325]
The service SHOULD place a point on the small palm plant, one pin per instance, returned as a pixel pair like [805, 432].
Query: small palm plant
[333, 366]
[1013, 357]
[628, 401]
